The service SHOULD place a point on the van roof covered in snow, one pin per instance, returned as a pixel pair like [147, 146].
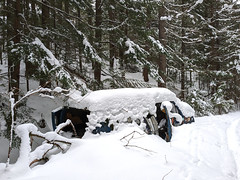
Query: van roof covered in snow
[120, 104]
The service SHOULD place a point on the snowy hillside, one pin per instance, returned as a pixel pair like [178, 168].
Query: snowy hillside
[206, 149]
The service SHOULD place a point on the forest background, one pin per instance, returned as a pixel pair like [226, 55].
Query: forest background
[192, 47]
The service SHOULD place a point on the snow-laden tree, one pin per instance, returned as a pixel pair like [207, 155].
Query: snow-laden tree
[220, 38]
[183, 39]
[181, 44]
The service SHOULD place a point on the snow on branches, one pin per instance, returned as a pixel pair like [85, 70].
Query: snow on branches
[14, 104]
[53, 142]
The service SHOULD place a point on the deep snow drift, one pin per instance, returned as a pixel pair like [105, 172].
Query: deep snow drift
[206, 149]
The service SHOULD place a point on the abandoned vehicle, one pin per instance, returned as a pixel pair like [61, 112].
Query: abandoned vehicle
[155, 110]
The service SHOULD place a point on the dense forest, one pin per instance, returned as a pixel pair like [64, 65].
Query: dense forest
[189, 46]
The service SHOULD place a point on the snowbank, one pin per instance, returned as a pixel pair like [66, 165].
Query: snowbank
[206, 149]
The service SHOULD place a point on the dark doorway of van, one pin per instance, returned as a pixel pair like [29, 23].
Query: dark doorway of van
[77, 116]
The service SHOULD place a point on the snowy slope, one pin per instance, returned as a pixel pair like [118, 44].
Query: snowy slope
[206, 149]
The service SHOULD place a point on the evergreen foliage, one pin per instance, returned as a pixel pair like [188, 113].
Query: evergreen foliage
[65, 42]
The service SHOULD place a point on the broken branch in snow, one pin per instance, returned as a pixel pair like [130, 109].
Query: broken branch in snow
[167, 174]
[52, 140]
[61, 126]
[131, 135]
[49, 140]
[44, 158]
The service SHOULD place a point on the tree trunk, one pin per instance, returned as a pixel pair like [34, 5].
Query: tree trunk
[33, 15]
[1, 61]
[162, 63]
[3, 30]
[98, 36]
[13, 20]
[145, 73]
[45, 82]
[214, 45]
[67, 48]
[112, 38]
[80, 49]
[45, 20]
[27, 18]
[183, 52]
[148, 27]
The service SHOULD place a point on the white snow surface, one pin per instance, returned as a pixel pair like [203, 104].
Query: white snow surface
[206, 149]
[118, 105]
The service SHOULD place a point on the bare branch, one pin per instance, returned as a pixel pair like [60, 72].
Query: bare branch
[50, 141]
[167, 174]
[68, 122]
[43, 157]
[129, 145]
[63, 13]
[131, 135]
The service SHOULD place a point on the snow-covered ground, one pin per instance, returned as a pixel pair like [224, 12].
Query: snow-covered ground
[206, 149]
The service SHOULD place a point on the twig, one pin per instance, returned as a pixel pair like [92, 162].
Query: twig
[43, 157]
[129, 145]
[167, 174]
[68, 122]
[132, 136]
[52, 142]
[49, 141]
[166, 159]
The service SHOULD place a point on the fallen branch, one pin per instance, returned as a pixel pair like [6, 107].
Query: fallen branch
[129, 145]
[167, 174]
[61, 126]
[53, 143]
[132, 133]
[132, 137]
[44, 158]
[15, 104]
[50, 141]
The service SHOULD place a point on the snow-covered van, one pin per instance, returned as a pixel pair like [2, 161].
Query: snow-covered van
[155, 110]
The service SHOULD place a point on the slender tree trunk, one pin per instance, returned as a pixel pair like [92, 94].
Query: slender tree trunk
[4, 16]
[183, 51]
[27, 18]
[122, 58]
[98, 36]
[80, 49]
[13, 20]
[182, 96]
[148, 26]
[214, 45]
[1, 59]
[45, 20]
[112, 48]
[67, 48]
[162, 63]
[2, 30]
[145, 73]
[45, 82]
[53, 12]
[33, 14]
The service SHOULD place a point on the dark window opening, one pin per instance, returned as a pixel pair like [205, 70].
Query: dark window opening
[77, 116]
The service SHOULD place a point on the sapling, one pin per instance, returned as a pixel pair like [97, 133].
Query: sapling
[14, 104]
